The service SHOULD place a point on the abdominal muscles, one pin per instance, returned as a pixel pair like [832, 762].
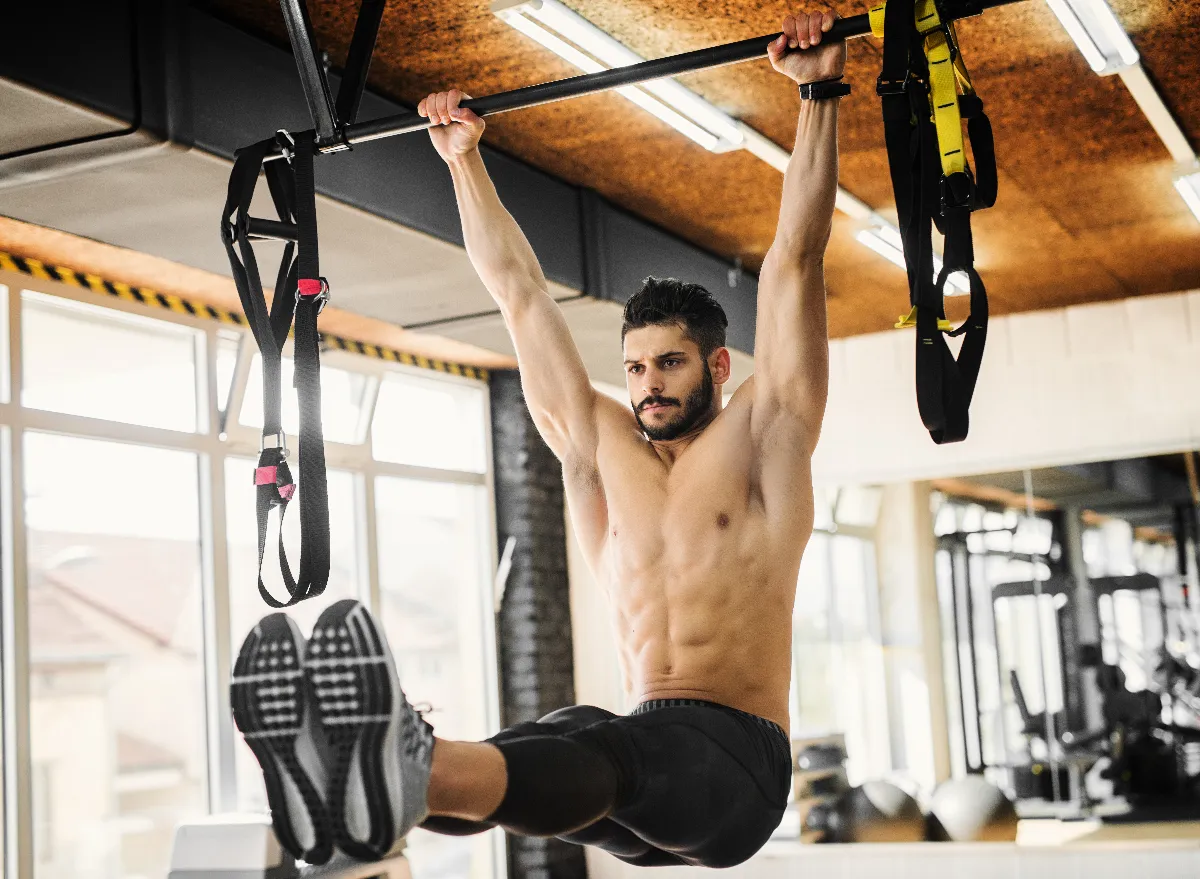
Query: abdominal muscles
[705, 622]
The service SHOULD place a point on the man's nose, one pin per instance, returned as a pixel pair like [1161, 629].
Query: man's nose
[652, 382]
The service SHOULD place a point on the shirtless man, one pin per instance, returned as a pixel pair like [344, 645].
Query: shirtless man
[693, 517]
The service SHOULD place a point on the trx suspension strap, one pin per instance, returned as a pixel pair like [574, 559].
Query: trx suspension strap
[300, 294]
[926, 92]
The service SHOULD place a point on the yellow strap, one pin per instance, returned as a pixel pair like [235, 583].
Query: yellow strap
[927, 16]
[945, 75]
[960, 67]
[910, 320]
[943, 95]
[875, 15]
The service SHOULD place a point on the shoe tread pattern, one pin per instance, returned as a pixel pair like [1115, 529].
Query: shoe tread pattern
[347, 668]
[268, 695]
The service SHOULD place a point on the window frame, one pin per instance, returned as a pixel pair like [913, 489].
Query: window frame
[219, 435]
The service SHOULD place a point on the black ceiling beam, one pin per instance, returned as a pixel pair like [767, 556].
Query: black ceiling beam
[358, 60]
[311, 68]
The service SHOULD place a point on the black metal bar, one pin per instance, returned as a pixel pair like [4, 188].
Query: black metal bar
[311, 70]
[274, 229]
[962, 693]
[604, 80]
[969, 608]
[358, 60]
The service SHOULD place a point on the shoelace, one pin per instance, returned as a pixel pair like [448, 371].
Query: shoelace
[420, 736]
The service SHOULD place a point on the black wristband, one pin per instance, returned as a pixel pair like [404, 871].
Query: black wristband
[822, 89]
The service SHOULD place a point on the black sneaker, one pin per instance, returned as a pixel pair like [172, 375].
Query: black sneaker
[381, 748]
[272, 709]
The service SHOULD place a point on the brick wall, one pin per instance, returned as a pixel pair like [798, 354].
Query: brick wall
[537, 673]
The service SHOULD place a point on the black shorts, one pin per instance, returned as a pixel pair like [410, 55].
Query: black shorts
[700, 783]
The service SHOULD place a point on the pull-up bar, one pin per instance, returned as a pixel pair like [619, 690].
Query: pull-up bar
[604, 80]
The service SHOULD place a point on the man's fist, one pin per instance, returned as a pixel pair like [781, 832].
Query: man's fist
[804, 31]
[456, 130]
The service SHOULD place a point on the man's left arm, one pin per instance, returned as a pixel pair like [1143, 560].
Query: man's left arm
[791, 346]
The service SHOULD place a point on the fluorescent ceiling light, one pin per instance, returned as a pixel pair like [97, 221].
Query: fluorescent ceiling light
[1097, 33]
[581, 43]
[886, 241]
[1189, 187]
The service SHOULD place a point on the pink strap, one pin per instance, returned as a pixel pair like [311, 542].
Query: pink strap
[309, 286]
[266, 475]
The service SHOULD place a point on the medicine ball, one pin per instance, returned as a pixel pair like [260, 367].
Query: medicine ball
[971, 810]
[873, 812]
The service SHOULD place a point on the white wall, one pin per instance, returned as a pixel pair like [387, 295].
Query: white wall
[1086, 383]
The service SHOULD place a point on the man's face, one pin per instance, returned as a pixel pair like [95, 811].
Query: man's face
[670, 384]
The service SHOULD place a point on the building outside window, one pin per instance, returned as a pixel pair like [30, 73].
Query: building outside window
[129, 441]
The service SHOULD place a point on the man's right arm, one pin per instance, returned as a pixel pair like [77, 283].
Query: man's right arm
[557, 389]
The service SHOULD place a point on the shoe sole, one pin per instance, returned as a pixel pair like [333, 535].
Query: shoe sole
[354, 681]
[270, 700]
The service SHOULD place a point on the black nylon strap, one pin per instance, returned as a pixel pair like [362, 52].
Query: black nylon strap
[293, 193]
[944, 384]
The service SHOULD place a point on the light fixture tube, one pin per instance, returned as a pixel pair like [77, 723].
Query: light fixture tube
[1097, 33]
[1189, 189]
[585, 46]
[886, 241]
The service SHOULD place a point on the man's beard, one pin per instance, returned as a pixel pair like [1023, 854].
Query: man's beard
[694, 410]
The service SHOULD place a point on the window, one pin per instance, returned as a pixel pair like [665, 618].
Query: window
[133, 536]
[247, 608]
[229, 346]
[342, 397]
[837, 676]
[116, 670]
[428, 422]
[85, 360]
[430, 568]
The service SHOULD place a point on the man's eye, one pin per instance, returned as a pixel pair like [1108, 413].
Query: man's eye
[670, 362]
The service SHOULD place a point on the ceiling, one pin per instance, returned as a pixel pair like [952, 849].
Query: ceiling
[155, 201]
[1143, 491]
[1086, 211]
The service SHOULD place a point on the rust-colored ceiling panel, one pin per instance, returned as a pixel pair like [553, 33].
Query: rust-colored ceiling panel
[1086, 209]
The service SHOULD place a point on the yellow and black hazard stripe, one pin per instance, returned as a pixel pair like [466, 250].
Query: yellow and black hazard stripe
[37, 269]
[391, 355]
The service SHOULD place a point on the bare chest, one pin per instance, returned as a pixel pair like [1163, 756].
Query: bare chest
[683, 523]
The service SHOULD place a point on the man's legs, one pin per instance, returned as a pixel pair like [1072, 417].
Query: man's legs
[454, 762]
[536, 779]
[468, 780]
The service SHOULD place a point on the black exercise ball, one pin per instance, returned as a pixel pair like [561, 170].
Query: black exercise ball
[874, 812]
[971, 810]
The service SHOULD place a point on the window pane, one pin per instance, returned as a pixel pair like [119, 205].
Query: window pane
[228, 345]
[247, 607]
[101, 363]
[429, 422]
[341, 401]
[116, 672]
[436, 589]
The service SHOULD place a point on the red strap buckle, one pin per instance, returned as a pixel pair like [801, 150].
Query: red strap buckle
[315, 289]
[270, 476]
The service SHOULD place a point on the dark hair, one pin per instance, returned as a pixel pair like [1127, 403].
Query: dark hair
[668, 301]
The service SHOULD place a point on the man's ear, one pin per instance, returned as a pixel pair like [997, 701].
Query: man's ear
[718, 363]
